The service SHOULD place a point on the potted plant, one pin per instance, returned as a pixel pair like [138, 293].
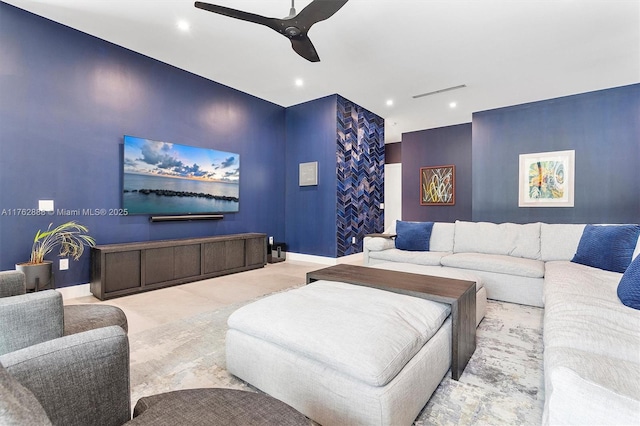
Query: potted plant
[71, 237]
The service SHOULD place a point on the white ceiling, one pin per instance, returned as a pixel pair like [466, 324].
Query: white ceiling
[506, 52]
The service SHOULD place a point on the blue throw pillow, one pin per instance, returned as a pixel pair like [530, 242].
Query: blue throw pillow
[629, 286]
[607, 247]
[413, 236]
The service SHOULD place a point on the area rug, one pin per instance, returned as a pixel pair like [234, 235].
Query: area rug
[502, 384]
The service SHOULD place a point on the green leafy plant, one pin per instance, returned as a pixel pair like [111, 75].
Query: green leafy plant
[70, 236]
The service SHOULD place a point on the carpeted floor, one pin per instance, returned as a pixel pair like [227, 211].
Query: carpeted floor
[502, 384]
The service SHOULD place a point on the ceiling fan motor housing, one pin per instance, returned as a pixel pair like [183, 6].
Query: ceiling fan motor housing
[292, 31]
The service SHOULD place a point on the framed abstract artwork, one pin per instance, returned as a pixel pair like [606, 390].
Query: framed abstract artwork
[437, 186]
[546, 179]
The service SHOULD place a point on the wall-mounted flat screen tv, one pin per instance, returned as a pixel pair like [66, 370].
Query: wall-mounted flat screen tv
[164, 178]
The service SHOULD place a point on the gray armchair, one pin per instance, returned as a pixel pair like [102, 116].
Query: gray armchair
[30, 318]
[46, 348]
[81, 379]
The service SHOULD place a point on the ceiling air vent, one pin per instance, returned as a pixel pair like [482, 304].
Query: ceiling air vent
[439, 91]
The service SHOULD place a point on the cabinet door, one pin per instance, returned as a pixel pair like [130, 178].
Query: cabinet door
[256, 251]
[158, 265]
[187, 261]
[122, 270]
[234, 254]
[214, 257]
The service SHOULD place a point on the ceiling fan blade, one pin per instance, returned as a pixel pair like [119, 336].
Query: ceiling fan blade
[303, 47]
[239, 14]
[318, 10]
[294, 28]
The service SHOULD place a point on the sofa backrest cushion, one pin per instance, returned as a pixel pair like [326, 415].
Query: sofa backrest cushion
[413, 236]
[29, 319]
[12, 283]
[608, 247]
[508, 239]
[559, 241]
[18, 405]
[442, 236]
[629, 286]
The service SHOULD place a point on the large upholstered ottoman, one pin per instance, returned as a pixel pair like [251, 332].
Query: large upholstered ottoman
[343, 354]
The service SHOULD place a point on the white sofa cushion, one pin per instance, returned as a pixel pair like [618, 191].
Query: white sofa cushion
[591, 348]
[585, 389]
[365, 333]
[429, 258]
[509, 239]
[583, 312]
[501, 264]
[559, 241]
[442, 236]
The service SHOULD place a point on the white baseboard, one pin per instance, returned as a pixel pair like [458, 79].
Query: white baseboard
[357, 258]
[72, 292]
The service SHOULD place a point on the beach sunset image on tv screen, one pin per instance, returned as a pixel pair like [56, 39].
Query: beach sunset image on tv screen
[167, 178]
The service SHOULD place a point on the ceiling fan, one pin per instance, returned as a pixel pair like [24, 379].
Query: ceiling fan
[294, 27]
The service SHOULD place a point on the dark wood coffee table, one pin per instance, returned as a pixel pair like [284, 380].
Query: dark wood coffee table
[459, 294]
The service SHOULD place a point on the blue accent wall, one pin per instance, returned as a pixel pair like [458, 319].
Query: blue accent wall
[437, 147]
[311, 210]
[603, 128]
[66, 101]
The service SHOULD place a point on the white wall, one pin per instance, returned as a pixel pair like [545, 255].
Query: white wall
[392, 194]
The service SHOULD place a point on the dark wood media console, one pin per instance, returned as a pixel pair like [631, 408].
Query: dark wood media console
[122, 269]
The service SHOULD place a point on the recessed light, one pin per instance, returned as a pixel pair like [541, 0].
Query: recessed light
[183, 25]
[452, 104]
[389, 102]
[299, 82]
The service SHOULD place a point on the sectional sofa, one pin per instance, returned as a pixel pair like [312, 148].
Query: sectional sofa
[591, 339]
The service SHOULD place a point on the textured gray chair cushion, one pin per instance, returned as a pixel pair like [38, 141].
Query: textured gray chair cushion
[208, 407]
[79, 318]
[30, 319]
[12, 283]
[18, 406]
